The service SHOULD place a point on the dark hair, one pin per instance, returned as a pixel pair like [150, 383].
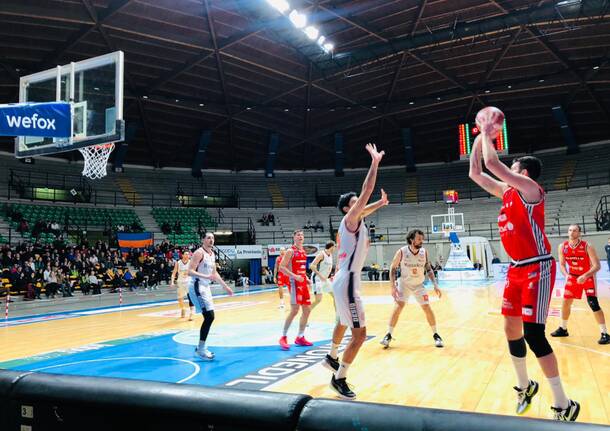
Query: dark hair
[344, 201]
[578, 226]
[330, 244]
[532, 164]
[412, 233]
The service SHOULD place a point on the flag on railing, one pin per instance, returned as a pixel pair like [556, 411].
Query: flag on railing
[127, 241]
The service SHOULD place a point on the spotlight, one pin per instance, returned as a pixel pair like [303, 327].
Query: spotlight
[281, 5]
[299, 20]
[328, 47]
[321, 40]
[312, 32]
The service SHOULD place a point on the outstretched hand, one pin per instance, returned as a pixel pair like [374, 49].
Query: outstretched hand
[384, 198]
[375, 155]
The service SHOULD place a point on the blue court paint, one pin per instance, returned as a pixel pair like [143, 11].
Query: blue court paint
[240, 349]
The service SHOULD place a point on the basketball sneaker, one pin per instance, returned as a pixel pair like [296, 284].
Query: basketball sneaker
[386, 340]
[341, 387]
[604, 339]
[524, 396]
[438, 341]
[569, 414]
[302, 341]
[205, 354]
[284, 343]
[560, 332]
[330, 363]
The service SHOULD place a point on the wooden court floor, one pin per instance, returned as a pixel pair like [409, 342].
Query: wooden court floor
[472, 372]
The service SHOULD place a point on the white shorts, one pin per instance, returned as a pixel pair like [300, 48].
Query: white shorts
[418, 291]
[349, 307]
[182, 289]
[319, 286]
[201, 295]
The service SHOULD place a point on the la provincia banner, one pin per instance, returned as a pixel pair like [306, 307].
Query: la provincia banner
[48, 120]
[310, 249]
[242, 251]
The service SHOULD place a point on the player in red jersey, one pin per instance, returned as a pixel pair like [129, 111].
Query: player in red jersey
[583, 263]
[294, 266]
[531, 275]
[279, 278]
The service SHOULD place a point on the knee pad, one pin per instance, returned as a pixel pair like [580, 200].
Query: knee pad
[517, 348]
[593, 303]
[536, 339]
[208, 316]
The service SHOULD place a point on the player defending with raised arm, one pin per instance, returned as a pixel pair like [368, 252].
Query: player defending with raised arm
[531, 275]
[353, 246]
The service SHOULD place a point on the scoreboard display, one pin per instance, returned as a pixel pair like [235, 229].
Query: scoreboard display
[467, 134]
[450, 196]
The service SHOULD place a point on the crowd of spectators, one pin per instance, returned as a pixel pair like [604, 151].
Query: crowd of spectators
[267, 219]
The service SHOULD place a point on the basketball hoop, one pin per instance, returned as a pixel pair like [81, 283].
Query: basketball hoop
[96, 160]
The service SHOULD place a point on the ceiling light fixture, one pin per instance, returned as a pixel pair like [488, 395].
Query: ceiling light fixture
[281, 5]
[312, 32]
[299, 20]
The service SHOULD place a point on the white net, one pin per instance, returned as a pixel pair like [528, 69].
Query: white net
[96, 159]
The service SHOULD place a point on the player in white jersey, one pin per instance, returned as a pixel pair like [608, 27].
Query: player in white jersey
[353, 244]
[181, 273]
[202, 270]
[322, 267]
[413, 262]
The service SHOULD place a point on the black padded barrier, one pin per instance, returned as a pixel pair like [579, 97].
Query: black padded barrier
[41, 402]
[330, 415]
[62, 402]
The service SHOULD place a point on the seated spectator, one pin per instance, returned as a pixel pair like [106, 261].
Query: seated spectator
[165, 228]
[319, 225]
[265, 220]
[94, 283]
[52, 287]
[130, 280]
[23, 226]
[270, 219]
[308, 225]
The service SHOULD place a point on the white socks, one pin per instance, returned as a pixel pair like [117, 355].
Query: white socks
[342, 371]
[559, 396]
[521, 370]
[390, 330]
[602, 327]
[202, 346]
[564, 324]
[433, 329]
[301, 333]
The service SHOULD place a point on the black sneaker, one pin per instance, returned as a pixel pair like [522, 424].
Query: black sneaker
[386, 340]
[604, 339]
[330, 363]
[569, 414]
[560, 332]
[341, 387]
[438, 341]
[524, 396]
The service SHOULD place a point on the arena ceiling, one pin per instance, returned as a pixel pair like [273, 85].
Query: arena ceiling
[241, 69]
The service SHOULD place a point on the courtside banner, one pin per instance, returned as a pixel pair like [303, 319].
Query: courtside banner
[48, 120]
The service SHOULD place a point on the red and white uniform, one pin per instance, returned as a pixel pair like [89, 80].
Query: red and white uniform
[578, 261]
[299, 290]
[282, 279]
[531, 275]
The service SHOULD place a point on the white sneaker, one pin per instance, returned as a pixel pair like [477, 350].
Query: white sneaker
[205, 354]
[438, 341]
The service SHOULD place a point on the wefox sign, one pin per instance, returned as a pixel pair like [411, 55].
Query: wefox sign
[49, 120]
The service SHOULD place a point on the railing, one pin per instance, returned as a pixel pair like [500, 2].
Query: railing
[319, 194]
[602, 213]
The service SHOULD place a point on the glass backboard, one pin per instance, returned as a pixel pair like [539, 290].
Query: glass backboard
[94, 87]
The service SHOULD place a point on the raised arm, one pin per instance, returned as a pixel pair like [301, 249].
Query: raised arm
[476, 174]
[371, 208]
[529, 189]
[352, 218]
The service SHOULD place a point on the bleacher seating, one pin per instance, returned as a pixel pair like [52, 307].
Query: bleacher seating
[77, 216]
[190, 219]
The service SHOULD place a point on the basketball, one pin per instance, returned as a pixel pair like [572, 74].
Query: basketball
[490, 114]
